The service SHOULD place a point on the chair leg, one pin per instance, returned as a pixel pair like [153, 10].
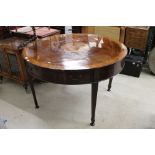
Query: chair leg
[110, 84]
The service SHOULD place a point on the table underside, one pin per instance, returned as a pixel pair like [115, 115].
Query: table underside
[73, 77]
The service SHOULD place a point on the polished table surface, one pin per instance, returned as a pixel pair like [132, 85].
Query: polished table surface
[74, 59]
[74, 52]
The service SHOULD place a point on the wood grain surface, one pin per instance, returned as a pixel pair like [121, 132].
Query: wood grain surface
[74, 52]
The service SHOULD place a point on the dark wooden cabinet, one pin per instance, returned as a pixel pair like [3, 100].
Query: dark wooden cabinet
[11, 63]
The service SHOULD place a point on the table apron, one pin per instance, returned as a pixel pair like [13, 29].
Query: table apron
[74, 77]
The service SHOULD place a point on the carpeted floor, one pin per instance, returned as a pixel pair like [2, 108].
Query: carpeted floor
[130, 104]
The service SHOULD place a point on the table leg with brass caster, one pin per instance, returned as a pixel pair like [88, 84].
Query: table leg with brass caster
[94, 91]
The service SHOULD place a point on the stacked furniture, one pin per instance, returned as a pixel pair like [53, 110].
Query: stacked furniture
[40, 32]
[139, 40]
[11, 62]
[136, 39]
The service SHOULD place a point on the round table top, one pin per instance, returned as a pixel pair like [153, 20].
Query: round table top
[74, 52]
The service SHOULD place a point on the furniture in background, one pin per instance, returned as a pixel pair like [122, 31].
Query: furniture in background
[2, 31]
[75, 29]
[74, 59]
[139, 40]
[40, 32]
[11, 62]
[136, 39]
[116, 33]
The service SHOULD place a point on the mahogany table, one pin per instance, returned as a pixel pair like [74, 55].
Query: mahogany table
[74, 59]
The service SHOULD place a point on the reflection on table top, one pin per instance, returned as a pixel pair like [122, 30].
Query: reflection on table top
[74, 52]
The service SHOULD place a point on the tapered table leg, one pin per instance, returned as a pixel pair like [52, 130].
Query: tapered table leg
[25, 85]
[1, 79]
[110, 83]
[94, 91]
[33, 91]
